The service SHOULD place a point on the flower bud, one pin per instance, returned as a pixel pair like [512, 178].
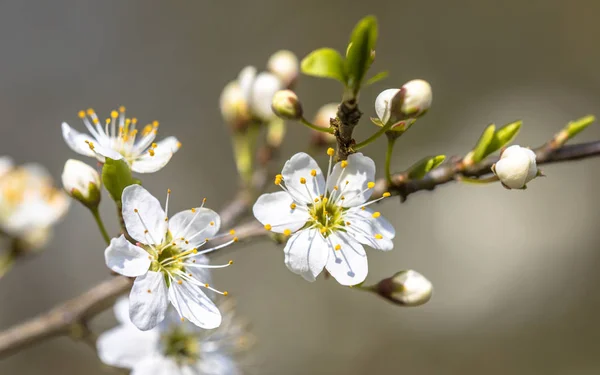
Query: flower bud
[323, 120]
[234, 107]
[284, 64]
[261, 95]
[286, 105]
[406, 288]
[410, 101]
[516, 167]
[81, 182]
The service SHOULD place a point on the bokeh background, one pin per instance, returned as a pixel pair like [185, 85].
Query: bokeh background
[515, 273]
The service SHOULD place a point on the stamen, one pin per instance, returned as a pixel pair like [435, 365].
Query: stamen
[376, 215]
[344, 163]
[302, 180]
[167, 204]
[313, 173]
[287, 232]
[378, 236]
[293, 206]
[371, 185]
[268, 227]
[338, 247]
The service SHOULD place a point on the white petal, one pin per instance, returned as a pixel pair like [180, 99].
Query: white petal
[300, 166]
[126, 346]
[195, 227]
[532, 172]
[201, 274]
[35, 213]
[192, 304]
[364, 227]
[348, 265]
[275, 209]
[306, 253]
[148, 208]
[382, 104]
[157, 365]
[246, 80]
[148, 300]
[121, 311]
[77, 140]
[106, 152]
[513, 170]
[264, 88]
[126, 259]
[163, 152]
[218, 364]
[6, 164]
[353, 180]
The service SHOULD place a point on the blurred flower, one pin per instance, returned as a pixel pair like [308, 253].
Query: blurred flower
[323, 120]
[82, 182]
[166, 261]
[287, 105]
[29, 203]
[117, 139]
[328, 217]
[173, 347]
[410, 101]
[234, 107]
[284, 64]
[407, 288]
[516, 167]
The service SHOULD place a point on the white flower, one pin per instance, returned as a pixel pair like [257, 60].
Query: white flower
[516, 167]
[284, 64]
[173, 347]
[81, 181]
[165, 261]
[232, 103]
[118, 139]
[410, 288]
[258, 91]
[29, 203]
[328, 217]
[410, 101]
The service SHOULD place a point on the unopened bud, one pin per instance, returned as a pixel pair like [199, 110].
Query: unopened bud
[82, 182]
[408, 102]
[234, 108]
[284, 64]
[516, 167]
[323, 120]
[287, 105]
[406, 288]
[261, 95]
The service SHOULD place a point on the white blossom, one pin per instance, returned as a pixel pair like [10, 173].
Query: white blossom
[118, 139]
[166, 260]
[80, 178]
[284, 64]
[516, 167]
[29, 202]
[327, 218]
[258, 91]
[174, 347]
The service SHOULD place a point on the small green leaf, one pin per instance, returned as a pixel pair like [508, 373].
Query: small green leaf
[503, 136]
[377, 122]
[325, 63]
[479, 152]
[575, 127]
[116, 176]
[423, 166]
[377, 77]
[360, 51]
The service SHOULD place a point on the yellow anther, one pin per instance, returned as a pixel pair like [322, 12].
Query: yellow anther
[278, 179]
[114, 114]
[287, 232]
[376, 215]
[135, 210]
[212, 223]
[230, 262]
[134, 120]
[313, 173]
[168, 191]
[155, 124]
[362, 208]
[325, 199]
[90, 111]
[316, 200]
[145, 231]
[193, 209]
[187, 242]
[206, 285]
[302, 180]
[179, 282]
[147, 129]
[232, 232]
[225, 293]
[335, 187]
[81, 114]
[182, 320]
[90, 144]
[107, 121]
[338, 247]
[235, 239]
[166, 219]
[323, 230]
[121, 109]
[293, 206]
[347, 223]
[268, 227]
[178, 144]
[344, 163]
[193, 260]
[182, 238]
[195, 251]
[378, 236]
[95, 120]
[151, 152]
[330, 151]
[386, 194]
[371, 185]
[342, 197]
[154, 145]
[149, 291]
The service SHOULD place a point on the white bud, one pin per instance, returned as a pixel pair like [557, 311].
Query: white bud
[246, 80]
[81, 182]
[261, 95]
[284, 64]
[516, 167]
[409, 288]
[323, 120]
[232, 103]
[383, 104]
[286, 105]
[410, 101]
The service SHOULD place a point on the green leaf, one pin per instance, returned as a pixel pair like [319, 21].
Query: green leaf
[503, 136]
[359, 54]
[423, 166]
[325, 63]
[479, 152]
[116, 176]
[377, 77]
[377, 121]
[575, 127]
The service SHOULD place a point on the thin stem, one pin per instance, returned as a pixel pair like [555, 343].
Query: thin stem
[100, 223]
[315, 127]
[388, 158]
[373, 137]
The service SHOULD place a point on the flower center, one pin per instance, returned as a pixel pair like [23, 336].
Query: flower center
[180, 345]
[326, 215]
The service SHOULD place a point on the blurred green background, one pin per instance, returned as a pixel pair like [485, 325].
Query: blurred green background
[515, 272]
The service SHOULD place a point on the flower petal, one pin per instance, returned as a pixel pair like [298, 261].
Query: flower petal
[348, 265]
[198, 273]
[194, 227]
[246, 80]
[217, 364]
[276, 210]
[6, 164]
[125, 346]
[306, 253]
[121, 311]
[264, 88]
[366, 228]
[148, 300]
[300, 167]
[157, 365]
[77, 141]
[126, 259]
[353, 180]
[149, 216]
[191, 303]
[164, 150]
[383, 104]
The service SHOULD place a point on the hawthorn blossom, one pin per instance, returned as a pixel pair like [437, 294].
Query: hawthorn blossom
[327, 218]
[166, 260]
[29, 202]
[516, 167]
[258, 91]
[118, 139]
[173, 347]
